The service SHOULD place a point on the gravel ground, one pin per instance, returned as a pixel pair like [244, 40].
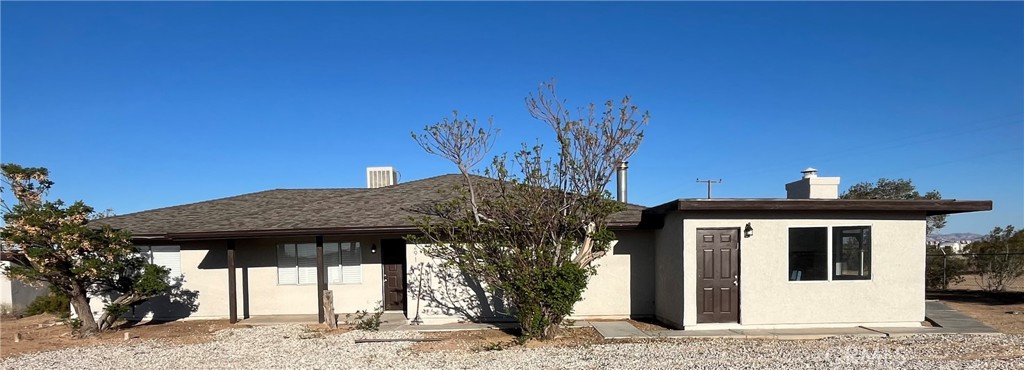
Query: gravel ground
[295, 347]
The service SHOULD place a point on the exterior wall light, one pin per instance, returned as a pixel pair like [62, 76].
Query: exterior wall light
[373, 247]
[748, 230]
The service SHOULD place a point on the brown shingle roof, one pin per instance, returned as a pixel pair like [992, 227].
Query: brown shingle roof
[291, 211]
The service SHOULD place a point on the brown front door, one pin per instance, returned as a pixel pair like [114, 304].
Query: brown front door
[718, 273]
[392, 258]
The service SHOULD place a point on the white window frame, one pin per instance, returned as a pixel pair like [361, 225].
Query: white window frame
[335, 271]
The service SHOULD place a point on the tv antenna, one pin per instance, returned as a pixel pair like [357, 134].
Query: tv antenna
[709, 182]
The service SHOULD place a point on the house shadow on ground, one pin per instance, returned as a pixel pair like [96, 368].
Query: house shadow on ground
[977, 296]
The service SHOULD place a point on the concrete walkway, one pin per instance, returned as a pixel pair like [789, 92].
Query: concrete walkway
[617, 330]
[264, 320]
[952, 321]
[947, 321]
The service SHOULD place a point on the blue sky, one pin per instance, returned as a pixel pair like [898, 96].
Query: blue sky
[135, 106]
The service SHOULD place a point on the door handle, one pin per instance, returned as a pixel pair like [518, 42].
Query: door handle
[736, 280]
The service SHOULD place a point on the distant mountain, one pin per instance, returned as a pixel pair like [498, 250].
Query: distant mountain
[955, 237]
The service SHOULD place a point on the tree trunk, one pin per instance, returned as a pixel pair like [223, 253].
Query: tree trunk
[550, 331]
[107, 320]
[81, 305]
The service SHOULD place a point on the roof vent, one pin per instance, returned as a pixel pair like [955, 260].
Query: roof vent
[813, 187]
[378, 177]
[620, 187]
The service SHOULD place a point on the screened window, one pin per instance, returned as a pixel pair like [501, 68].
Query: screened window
[851, 253]
[168, 256]
[296, 263]
[808, 253]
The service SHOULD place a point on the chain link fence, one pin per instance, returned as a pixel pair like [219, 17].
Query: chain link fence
[975, 271]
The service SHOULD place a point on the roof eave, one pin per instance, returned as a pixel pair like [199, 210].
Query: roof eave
[929, 207]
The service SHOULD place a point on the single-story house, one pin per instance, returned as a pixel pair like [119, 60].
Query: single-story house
[810, 259]
[15, 296]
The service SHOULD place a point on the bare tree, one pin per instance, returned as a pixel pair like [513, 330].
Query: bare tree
[533, 226]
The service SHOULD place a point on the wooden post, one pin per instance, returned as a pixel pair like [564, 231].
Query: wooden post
[328, 307]
[232, 294]
[321, 284]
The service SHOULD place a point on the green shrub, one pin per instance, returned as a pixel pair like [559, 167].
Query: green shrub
[547, 296]
[72, 323]
[941, 271]
[368, 321]
[999, 260]
[54, 302]
[7, 310]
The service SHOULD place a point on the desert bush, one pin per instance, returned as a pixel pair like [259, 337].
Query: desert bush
[7, 310]
[943, 270]
[998, 259]
[54, 302]
[368, 321]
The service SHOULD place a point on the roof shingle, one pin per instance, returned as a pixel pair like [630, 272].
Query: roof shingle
[390, 207]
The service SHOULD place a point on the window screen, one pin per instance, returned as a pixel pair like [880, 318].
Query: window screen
[351, 263]
[296, 263]
[851, 253]
[168, 256]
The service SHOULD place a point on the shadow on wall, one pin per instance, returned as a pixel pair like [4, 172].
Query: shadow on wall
[640, 249]
[245, 258]
[177, 304]
[444, 290]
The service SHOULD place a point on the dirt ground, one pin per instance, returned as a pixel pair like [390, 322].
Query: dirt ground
[1002, 311]
[46, 333]
[494, 339]
[972, 282]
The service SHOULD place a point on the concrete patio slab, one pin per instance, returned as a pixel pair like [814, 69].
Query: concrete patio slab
[269, 320]
[457, 326]
[795, 334]
[781, 334]
[755, 333]
[618, 330]
[904, 332]
[952, 321]
[695, 334]
[392, 320]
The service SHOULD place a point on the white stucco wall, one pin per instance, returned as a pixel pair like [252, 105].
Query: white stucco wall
[15, 294]
[623, 286]
[893, 296]
[204, 268]
[668, 271]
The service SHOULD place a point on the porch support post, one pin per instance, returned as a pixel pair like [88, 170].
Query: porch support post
[321, 283]
[232, 294]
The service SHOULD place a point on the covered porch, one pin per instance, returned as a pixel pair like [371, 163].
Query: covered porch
[284, 278]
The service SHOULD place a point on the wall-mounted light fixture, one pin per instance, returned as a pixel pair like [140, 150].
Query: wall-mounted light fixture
[748, 231]
[373, 247]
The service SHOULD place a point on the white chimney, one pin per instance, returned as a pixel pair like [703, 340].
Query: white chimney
[621, 181]
[378, 177]
[810, 186]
